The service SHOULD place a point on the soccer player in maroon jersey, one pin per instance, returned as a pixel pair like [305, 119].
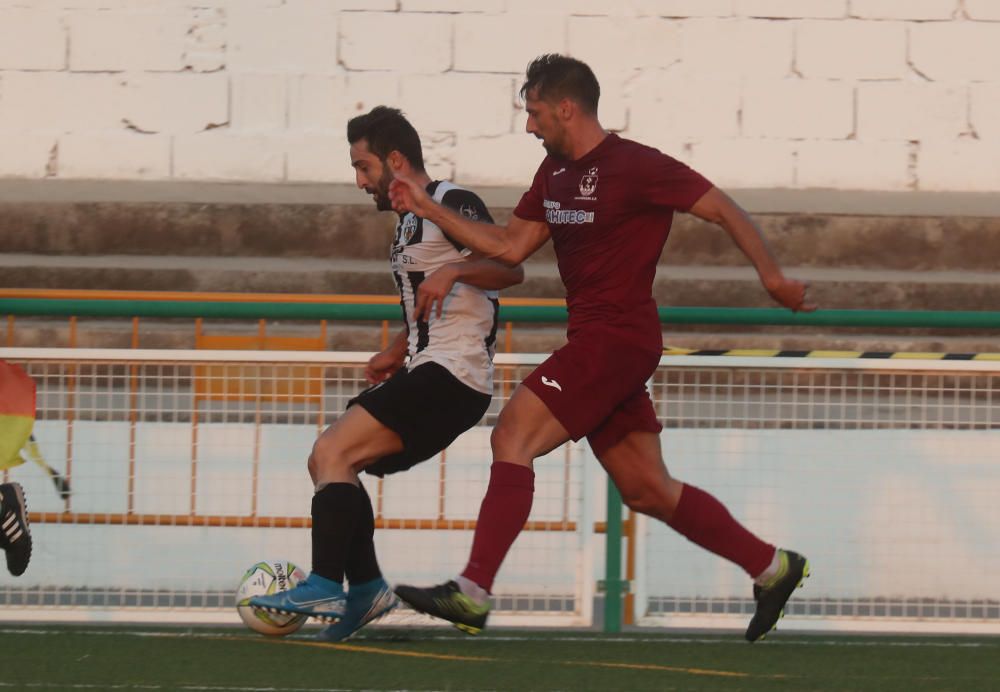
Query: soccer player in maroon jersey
[607, 204]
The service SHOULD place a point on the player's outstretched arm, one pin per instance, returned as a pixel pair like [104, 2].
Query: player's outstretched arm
[479, 272]
[508, 245]
[487, 274]
[716, 206]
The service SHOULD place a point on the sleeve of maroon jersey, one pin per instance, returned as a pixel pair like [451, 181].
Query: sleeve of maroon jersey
[670, 183]
[530, 208]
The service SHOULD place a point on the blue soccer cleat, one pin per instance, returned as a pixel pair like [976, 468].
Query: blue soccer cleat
[365, 603]
[317, 597]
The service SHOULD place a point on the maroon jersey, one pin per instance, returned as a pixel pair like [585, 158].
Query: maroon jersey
[609, 214]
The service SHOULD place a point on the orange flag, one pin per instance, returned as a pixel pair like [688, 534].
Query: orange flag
[17, 413]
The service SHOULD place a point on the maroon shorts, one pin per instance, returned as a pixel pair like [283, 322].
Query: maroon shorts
[596, 388]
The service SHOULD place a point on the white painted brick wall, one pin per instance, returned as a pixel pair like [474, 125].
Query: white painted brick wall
[120, 41]
[317, 102]
[956, 51]
[32, 40]
[911, 111]
[963, 164]
[366, 5]
[851, 49]
[218, 155]
[668, 104]
[461, 6]
[300, 37]
[25, 155]
[314, 157]
[324, 104]
[174, 102]
[754, 48]
[583, 8]
[638, 42]
[496, 160]
[798, 109]
[126, 156]
[987, 10]
[908, 9]
[881, 94]
[364, 91]
[259, 102]
[59, 102]
[791, 9]
[403, 42]
[439, 154]
[984, 110]
[695, 8]
[732, 163]
[462, 103]
[850, 164]
[483, 42]
[205, 43]
[612, 109]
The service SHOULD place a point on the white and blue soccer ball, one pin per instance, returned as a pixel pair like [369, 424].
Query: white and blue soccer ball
[265, 578]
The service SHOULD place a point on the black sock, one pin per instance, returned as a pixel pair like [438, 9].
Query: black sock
[336, 509]
[362, 565]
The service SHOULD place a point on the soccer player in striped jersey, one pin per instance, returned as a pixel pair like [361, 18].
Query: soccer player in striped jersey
[433, 382]
[607, 204]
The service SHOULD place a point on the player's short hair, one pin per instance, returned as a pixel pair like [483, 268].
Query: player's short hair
[386, 130]
[553, 77]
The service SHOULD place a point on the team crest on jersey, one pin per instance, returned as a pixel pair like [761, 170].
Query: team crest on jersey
[469, 212]
[408, 228]
[588, 183]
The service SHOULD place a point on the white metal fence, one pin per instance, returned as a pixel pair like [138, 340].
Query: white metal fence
[187, 466]
[886, 473]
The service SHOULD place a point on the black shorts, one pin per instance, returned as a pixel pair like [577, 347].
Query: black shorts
[427, 407]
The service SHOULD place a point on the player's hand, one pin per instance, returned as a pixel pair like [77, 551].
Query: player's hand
[408, 195]
[432, 292]
[382, 366]
[791, 293]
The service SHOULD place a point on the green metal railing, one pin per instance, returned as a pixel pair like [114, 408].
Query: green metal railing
[44, 307]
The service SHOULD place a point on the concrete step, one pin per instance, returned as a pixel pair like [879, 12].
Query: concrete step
[351, 231]
[695, 285]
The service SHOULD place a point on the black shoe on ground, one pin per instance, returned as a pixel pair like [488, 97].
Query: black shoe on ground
[446, 601]
[771, 599]
[15, 535]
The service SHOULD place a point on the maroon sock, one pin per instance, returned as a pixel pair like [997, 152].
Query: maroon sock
[502, 515]
[703, 520]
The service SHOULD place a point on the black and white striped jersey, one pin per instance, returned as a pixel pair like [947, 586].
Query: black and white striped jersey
[462, 339]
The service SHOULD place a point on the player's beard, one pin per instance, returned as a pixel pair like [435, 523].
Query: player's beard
[555, 145]
[381, 191]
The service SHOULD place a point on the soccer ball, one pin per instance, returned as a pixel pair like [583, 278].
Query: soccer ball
[265, 578]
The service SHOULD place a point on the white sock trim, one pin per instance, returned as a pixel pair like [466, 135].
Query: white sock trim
[472, 590]
[771, 571]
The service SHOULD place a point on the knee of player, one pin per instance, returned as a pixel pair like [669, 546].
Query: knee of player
[639, 500]
[503, 438]
[649, 501]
